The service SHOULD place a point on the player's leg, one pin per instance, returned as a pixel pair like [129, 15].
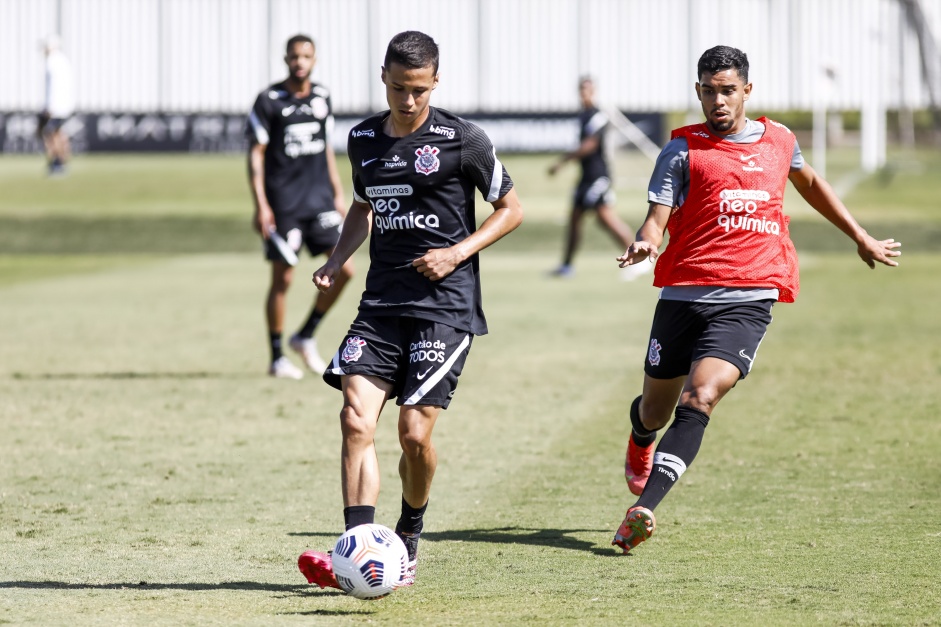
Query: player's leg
[709, 380]
[275, 305]
[363, 398]
[649, 413]
[434, 363]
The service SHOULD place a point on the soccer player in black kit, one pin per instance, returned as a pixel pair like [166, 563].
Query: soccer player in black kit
[297, 192]
[415, 170]
[595, 191]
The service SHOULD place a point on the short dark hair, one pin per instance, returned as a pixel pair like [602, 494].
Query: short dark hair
[299, 39]
[412, 50]
[721, 58]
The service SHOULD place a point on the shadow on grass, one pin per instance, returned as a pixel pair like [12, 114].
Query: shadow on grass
[68, 376]
[193, 587]
[558, 538]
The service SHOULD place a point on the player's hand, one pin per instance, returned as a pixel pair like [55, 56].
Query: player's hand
[872, 250]
[323, 277]
[263, 221]
[438, 263]
[341, 206]
[638, 252]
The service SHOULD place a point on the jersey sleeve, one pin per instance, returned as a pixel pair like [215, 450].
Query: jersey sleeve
[797, 158]
[479, 163]
[596, 124]
[258, 126]
[359, 190]
[670, 176]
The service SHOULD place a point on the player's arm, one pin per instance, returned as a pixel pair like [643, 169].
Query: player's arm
[440, 262]
[587, 147]
[649, 236]
[263, 220]
[819, 195]
[354, 233]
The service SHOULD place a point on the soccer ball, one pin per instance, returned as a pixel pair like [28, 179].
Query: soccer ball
[369, 561]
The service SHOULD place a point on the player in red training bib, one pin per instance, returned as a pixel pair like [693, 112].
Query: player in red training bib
[718, 188]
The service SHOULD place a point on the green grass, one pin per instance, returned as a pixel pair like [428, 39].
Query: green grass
[151, 474]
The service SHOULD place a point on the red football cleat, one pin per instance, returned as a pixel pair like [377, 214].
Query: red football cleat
[318, 568]
[637, 466]
[639, 524]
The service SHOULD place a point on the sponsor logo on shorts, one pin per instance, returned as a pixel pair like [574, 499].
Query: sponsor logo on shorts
[294, 239]
[329, 219]
[422, 375]
[427, 162]
[653, 353]
[353, 349]
[426, 350]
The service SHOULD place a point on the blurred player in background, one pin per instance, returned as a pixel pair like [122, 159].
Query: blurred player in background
[298, 195]
[58, 107]
[415, 169]
[718, 187]
[594, 191]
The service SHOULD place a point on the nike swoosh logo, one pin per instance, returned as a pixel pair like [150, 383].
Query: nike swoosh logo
[742, 353]
[368, 161]
[422, 375]
[747, 157]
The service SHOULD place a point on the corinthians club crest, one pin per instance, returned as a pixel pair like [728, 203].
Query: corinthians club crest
[427, 161]
[353, 349]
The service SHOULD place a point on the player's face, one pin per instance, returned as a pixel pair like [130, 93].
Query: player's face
[300, 60]
[723, 97]
[408, 92]
[586, 92]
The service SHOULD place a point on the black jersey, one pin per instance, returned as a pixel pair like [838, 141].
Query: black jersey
[593, 121]
[421, 190]
[295, 131]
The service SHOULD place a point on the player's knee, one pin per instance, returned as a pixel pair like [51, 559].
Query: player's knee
[355, 425]
[702, 398]
[655, 415]
[415, 443]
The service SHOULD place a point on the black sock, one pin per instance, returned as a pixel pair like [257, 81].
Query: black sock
[676, 451]
[412, 519]
[643, 436]
[356, 515]
[307, 331]
[275, 340]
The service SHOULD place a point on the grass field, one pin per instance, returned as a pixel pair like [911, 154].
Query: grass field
[151, 474]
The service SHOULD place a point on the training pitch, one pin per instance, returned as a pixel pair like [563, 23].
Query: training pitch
[151, 474]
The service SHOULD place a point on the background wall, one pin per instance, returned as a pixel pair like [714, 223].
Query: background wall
[497, 55]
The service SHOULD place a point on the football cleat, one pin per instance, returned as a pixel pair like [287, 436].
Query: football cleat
[282, 368]
[638, 463]
[317, 568]
[639, 524]
[565, 271]
[410, 540]
[306, 347]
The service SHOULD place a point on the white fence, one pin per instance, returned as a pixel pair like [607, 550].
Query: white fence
[497, 55]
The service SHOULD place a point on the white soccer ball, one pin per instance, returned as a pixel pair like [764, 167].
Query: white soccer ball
[369, 561]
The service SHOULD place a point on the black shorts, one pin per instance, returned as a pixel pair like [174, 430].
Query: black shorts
[319, 232]
[684, 332]
[421, 358]
[49, 125]
[593, 193]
